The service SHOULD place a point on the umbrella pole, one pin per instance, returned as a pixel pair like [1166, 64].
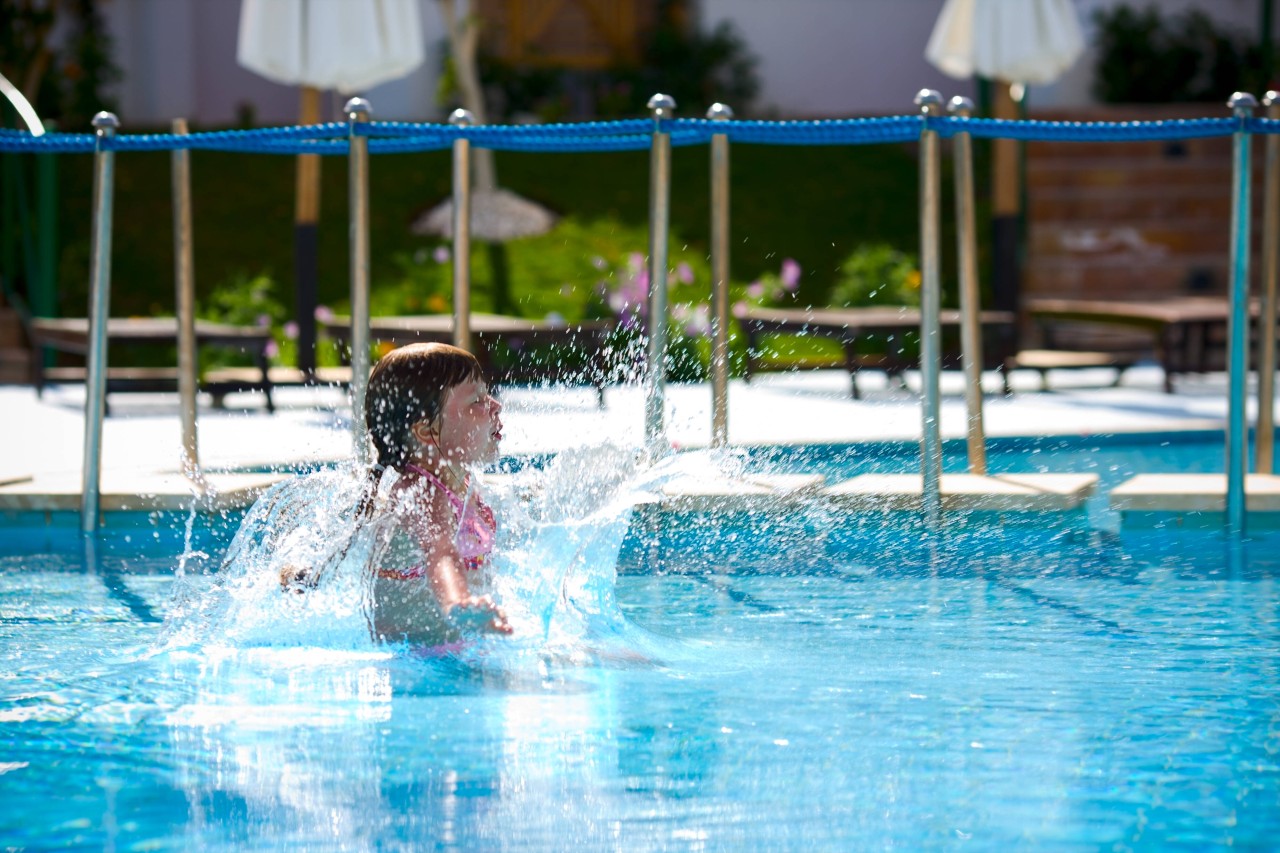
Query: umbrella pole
[305, 219]
[1006, 207]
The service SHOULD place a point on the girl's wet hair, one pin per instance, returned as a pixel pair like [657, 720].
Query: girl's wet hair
[407, 386]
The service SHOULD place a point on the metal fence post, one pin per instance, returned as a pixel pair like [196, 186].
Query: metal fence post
[358, 110]
[970, 302]
[662, 106]
[1264, 452]
[184, 301]
[462, 231]
[95, 386]
[1242, 105]
[719, 279]
[930, 104]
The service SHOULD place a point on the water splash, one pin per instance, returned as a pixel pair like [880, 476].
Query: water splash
[554, 571]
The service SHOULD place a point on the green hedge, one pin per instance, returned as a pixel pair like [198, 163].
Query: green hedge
[812, 204]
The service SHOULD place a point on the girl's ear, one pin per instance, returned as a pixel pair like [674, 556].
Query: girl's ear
[424, 432]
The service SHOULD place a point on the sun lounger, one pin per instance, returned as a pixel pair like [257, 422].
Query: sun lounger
[1185, 332]
[851, 327]
[71, 335]
[501, 343]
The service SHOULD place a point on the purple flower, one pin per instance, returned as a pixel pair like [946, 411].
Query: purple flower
[739, 309]
[264, 320]
[271, 350]
[291, 330]
[699, 321]
[324, 313]
[441, 254]
[790, 274]
[684, 273]
[755, 289]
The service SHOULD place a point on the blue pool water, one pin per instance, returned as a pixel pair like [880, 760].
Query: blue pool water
[760, 682]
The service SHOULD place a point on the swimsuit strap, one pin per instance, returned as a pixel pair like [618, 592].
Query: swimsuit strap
[449, 493]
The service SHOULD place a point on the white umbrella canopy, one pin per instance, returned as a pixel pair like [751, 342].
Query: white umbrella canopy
[1018, 41]
[347, 45]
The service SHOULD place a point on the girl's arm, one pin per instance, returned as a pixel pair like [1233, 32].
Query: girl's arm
[446, 575]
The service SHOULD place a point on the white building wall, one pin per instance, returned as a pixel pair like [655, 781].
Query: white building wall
[179, 59]
[829, 58]
[853, 57]
[816, 58]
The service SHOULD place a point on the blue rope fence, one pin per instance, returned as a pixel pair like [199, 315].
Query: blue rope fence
[627, 135]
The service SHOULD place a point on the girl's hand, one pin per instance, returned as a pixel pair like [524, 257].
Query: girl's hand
[478, 613]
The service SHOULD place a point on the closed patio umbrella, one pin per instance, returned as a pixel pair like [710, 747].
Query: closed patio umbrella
[347, 45]
[1018, 41]
[1014, 43]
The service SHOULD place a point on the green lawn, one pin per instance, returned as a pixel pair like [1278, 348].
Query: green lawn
[814, 204]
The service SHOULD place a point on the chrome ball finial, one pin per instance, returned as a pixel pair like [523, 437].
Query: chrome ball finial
[662, 106]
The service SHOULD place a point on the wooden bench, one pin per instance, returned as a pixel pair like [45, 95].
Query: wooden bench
[850, 327]
[71, 335]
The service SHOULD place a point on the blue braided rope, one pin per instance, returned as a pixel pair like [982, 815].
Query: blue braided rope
[1263, 125]
[1074, 131]
[496, 133]
[632, 134]
[827, 132]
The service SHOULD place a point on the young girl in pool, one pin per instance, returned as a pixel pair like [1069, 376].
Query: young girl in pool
[430, 418]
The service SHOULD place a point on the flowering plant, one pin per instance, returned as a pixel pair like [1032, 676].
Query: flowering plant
[623, 292]
[246, 300]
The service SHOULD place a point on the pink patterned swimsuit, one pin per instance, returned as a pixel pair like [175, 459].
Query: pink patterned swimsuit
[477, 531]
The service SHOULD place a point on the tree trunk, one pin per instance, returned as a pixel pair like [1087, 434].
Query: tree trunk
[464, 37]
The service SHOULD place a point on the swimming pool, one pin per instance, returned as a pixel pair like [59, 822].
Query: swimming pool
[807, 682]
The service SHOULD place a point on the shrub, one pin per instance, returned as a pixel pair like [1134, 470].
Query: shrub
[1144, 57]
[877, 274]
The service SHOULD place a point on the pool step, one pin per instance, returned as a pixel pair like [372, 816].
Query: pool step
[967, 492]
[1193, 493]
[136, 491]
[755, 491]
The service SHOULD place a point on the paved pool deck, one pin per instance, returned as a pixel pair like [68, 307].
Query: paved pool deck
[44, 437]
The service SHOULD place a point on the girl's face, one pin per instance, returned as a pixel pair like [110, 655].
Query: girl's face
[470, 428]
